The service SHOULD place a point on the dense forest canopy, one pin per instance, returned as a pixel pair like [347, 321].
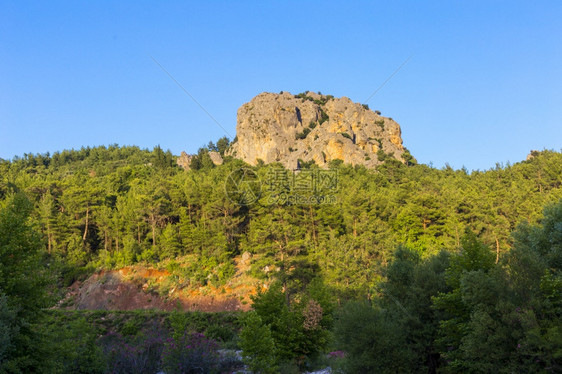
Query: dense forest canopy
[107, 207]
[405, 268]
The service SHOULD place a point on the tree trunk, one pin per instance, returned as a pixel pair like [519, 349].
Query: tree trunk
[313, 226]
[86, 228]
[497, 249]
[153, 224]
[458, 238]
[49, 239]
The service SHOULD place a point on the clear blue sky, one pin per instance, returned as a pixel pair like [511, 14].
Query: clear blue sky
[483, 85]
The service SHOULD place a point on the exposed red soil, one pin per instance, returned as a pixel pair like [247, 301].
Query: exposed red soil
[128, 289]
[109, 291]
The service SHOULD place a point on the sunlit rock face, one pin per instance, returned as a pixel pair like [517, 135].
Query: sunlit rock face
[286, 128]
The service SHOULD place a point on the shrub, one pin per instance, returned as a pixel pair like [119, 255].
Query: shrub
[303, 134]
[230, 361]
[323, 117]
[224, 272]
[191, 353]
[409, 160]
[132, 326]
[289, 367]
[220, 332]
[75, 348]
[179, 322]
[139, 356]
[304, 96]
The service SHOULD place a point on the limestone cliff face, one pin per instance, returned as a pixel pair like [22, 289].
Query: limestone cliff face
[285, 128]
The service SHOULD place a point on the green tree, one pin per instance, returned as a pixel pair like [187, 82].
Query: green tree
[373, 340]
[258, 346]
[23, 282]
[75, 348]
[161, 159]
[400, 321]
[222, 145]
[8, 328]
[474, 258]
[170, 245]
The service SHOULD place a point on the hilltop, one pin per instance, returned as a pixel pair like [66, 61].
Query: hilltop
[309, 126]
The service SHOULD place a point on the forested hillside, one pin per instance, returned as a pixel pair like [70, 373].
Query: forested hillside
[405, 268]
[108, 207]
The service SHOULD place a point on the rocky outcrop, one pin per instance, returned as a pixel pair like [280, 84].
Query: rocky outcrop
[532, 154]
[184, 160]
[287, 128]
[216, 157]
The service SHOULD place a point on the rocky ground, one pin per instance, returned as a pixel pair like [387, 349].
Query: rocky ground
[138, 287]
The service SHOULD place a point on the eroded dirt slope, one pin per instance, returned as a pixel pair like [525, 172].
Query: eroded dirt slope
[133, 288]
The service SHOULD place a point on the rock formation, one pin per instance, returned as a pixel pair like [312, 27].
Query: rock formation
[286, 128]
[184, 160]
[216, 157]
[532, 154]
